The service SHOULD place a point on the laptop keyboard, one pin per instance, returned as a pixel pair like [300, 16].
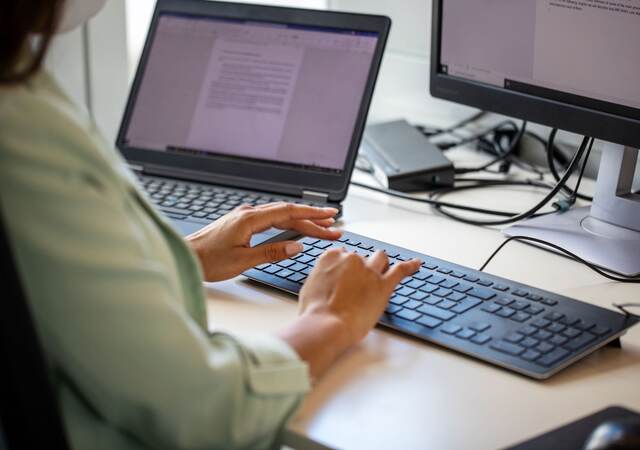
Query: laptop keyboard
[201, 203]
[509, 324]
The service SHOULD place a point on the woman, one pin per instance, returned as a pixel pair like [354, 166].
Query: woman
[117, 294]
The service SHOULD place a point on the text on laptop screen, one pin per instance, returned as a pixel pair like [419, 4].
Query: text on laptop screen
[256, 90]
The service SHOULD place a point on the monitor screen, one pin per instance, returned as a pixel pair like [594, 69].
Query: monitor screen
[252, 90]
[581, 52]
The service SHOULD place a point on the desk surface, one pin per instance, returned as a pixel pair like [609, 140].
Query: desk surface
[395, 392]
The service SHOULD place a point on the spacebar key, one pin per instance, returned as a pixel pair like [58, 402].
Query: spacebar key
[436, 312]
[171, 210]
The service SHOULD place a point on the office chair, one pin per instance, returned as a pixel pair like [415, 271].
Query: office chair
[30, 416]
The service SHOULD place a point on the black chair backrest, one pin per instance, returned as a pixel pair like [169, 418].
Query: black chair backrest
[30, 413]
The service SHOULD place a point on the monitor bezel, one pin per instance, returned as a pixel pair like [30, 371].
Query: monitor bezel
[256, 174]
[588, 118]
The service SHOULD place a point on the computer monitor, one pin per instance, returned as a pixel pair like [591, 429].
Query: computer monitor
[567, 64]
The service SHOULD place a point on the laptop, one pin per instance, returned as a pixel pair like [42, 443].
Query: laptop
[236, 103]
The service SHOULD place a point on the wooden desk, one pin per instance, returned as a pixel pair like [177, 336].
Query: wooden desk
[395, 392]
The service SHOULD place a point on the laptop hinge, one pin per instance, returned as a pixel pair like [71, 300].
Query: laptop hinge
[318, 197]
[136, 167]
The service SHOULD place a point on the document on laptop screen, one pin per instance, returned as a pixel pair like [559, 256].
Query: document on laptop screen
[252, 90]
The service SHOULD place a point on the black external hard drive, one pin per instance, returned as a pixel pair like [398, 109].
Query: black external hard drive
[403, 159]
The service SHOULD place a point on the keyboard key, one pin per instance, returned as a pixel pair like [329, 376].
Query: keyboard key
[412, 304]
[440, 292]
[398, 300]
[462, 288]
[392, 309]
[520, 305]
[432, 300]
[429, 266]
[445, 270]
[429, 288]
[520, 293]
[529, 330]
[572, 333]
[481, 339]
[436, 279]
[556, 327]
[558, 340]
[272, 269]
[297, 277]
[456, 296]
[284, 273]
[480, 326]
[421, 275]
[407, 314]
[448, 284]
[262, 266]
[530, 355]
[429, 322]
[483, 282]
[506, 312]
[438, 313]
[534, 310]
[549, 302]
[419, 295]
[599, 330]
[415, 284]
[542, 335]
[484, 294]
[554, 316]
[446, 304]
[501, 287]
[584, 326]
[303, 258]
[507, 347]
[569, 321]
[471, 278]
[580, 341]
[322, 244]
[541, 323]
[297, 267]
[465, 305]
[520, 317]
[504, 301]
[309, 240]
[551, 358]
[514, 337]
[544, 347]
[465, 333]
[314, 252]
[405, 291]
[529, 342]
[457, 274]
[491, 308]
[450, 328]
[534, 297]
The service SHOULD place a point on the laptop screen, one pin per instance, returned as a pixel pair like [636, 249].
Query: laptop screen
[252, 90]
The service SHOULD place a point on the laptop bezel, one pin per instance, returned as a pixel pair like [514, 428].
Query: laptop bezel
[251, 174]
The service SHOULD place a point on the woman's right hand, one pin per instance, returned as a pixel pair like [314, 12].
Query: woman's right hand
[341, 302]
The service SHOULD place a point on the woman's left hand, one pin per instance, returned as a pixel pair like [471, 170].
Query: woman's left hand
[223, 246]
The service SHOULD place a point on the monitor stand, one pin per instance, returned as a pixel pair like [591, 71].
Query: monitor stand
[607, 234]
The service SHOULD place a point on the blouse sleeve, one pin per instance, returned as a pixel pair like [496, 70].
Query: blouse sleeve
[110, 309]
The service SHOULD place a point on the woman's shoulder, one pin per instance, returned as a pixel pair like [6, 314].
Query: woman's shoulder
[39, 123]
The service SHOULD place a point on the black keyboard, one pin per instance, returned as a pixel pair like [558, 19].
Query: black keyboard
[512, 325]
[201, 203]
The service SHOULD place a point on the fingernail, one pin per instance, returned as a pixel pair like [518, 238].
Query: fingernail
[333, 210]
[293, 248]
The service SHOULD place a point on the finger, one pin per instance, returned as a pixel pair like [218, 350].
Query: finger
[399, 271]
[379, 262]
[331, 255]
[325, 222]
[308, 228]
[270, 253]
[264, 218]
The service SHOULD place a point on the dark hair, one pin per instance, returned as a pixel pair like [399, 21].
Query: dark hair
[19, 20]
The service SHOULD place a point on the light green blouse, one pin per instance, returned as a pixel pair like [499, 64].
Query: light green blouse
[118, 299]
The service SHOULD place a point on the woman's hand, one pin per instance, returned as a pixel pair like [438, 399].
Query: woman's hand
[340, 302]
[223, 247]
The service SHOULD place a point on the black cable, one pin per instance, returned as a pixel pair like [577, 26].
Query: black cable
[512, 147]
[530, 213]
[431, 202]
[462, 123]
[552, 152]
[623, 307]
[475, 137]
[609, 274]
